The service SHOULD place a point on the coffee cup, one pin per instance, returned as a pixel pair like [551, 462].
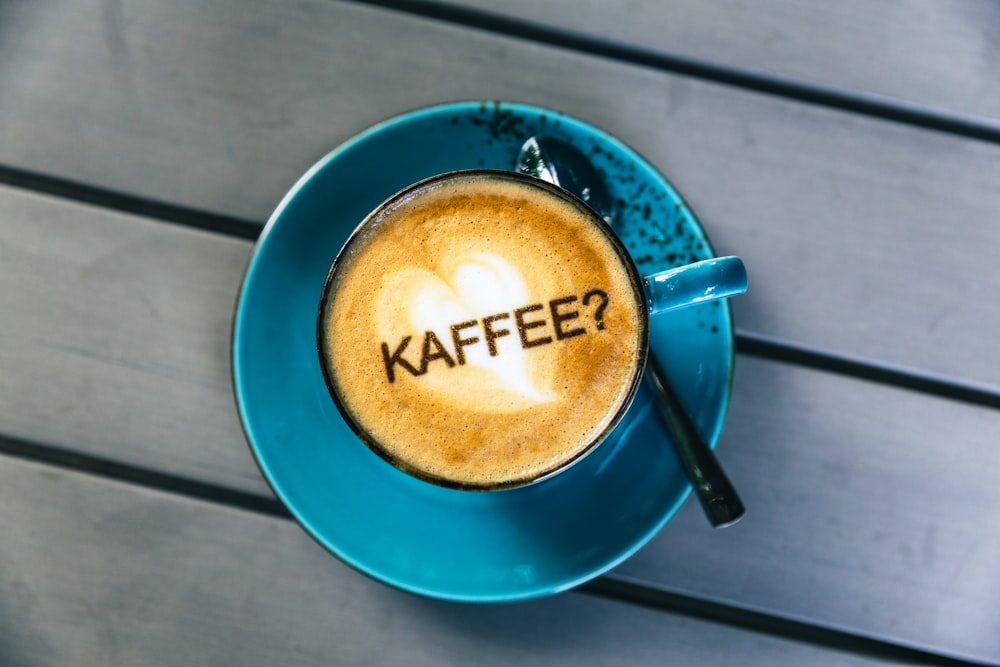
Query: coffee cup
[491, 546]
[485, 330]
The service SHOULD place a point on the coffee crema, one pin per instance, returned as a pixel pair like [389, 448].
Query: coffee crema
[482, 329]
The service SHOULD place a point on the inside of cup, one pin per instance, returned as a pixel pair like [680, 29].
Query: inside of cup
[544, 369]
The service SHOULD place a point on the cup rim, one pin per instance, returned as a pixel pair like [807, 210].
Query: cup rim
[635, 280]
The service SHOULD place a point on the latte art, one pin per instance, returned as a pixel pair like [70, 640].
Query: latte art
[451, 320]
[482, 329]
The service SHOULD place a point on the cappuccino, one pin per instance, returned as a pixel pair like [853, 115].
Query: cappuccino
[482, 330]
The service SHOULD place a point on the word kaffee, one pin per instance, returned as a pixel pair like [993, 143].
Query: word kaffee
[536, 324]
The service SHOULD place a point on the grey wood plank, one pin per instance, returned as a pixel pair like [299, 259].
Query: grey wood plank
[924, 52]
[100, 573]
[849, 491]
[870, 507]
[862, 236]
[114, 338]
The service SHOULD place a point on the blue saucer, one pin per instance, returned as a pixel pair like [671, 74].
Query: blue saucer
[443, 543]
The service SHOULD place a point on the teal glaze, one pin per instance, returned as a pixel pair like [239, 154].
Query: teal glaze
[443, 543]
[706, 280]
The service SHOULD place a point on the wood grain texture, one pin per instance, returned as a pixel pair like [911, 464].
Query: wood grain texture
[115, 338]
[101, 573]
[872, 501]
[861, 236]
[868, 506]
[923, 52]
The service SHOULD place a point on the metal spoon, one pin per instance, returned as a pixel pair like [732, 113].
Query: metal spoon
[561, 164]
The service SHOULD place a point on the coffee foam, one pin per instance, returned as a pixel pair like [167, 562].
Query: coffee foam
[510, 395]
[474, 285]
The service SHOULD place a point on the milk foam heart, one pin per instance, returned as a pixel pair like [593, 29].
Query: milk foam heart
[470, 286]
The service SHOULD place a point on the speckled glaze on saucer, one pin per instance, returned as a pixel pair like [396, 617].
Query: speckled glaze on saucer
[445, 543]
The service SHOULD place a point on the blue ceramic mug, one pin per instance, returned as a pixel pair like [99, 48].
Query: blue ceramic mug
[440, 542]
[484, 329]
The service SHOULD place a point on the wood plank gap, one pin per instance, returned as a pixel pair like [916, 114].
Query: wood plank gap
[625, 589]
[119, 201]
[749, 343]
[776, 349]
[122, 472]
[614, 587]
[858, 102]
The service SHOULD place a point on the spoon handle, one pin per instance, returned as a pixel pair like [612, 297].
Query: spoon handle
[716, 494]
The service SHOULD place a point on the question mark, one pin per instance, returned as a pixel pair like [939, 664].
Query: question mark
[599, 313]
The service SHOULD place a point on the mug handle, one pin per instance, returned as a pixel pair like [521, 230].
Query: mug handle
[687, 285]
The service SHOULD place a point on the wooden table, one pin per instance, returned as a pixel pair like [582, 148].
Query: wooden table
[849, 152]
